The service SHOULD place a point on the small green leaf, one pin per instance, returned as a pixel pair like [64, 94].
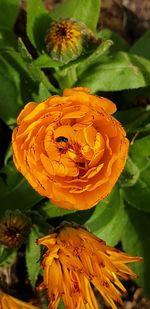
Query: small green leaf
[136, 241]
[142, 46]
[130, 174]
[135, 119]
[43, 93]
[9, 92]
[38, 21]
[61, 305]
[121, 71]
[138, 195]
[141, 147]
[15, 192]
[51, 211]
[33, 254]
[8, 13]
[7, 40]
[119, 42]
[23, 51]
[107, 220]
[39, 76]
[6, 255]
[86, 11]
[27, 86]
[96, 55]
[45, 61]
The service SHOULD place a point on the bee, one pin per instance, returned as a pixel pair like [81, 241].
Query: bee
[62, 143]
[60, 139]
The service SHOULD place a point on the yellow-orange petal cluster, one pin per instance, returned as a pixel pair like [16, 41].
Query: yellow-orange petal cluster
[9, 302]
[75, 261]
[70, 148]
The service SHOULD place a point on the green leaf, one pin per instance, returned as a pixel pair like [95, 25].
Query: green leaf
[86, 11]
[121, 71]
[6, 255]
[9, 92]
[119, 42]
[39, 76]
[61, 305]
[7, 40]
[44, 61]
[15, 192]
[136, 241]
[33, 254]
[23, 51]
[43, 93]
[95, 56]
[130, 174]
[141, 147]
[38, 21]
[27, 86]
[142, 46]
[135, 119]
[50, 210]
[107, 220]
[138, 195]
[8, 13]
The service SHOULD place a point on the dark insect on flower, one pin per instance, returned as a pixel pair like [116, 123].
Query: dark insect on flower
[14, 228]
[61, 139]
[63, 144]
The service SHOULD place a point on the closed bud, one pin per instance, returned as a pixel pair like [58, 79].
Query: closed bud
[14, 228]
[67, 39]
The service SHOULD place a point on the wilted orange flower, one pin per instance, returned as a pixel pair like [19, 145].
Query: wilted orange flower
[70, 148]
[9, 302]
[75, 261]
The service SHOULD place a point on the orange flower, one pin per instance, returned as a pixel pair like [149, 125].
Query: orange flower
[7, 302]
[75, 261]
[70, 148]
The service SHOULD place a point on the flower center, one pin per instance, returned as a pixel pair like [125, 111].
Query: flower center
[61, 31]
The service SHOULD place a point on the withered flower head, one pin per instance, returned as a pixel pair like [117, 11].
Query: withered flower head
[14, 228]
[75, 261]
[9, 302]
[67, 38]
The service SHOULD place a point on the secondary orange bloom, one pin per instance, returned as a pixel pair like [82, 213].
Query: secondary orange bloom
[7, 302]
[75, 261]
[70, 148]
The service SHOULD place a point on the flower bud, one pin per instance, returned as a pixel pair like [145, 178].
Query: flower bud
[67, 39]
[14, 228]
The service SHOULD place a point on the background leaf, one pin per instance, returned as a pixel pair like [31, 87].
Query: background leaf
[142, 46]
[121, 71]
[7, 255]
[138, 195]
[8, 13]
[136, 241]
[38, 21]
[15, 192]
[86, 11]
[107, 220]
[33, 254]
